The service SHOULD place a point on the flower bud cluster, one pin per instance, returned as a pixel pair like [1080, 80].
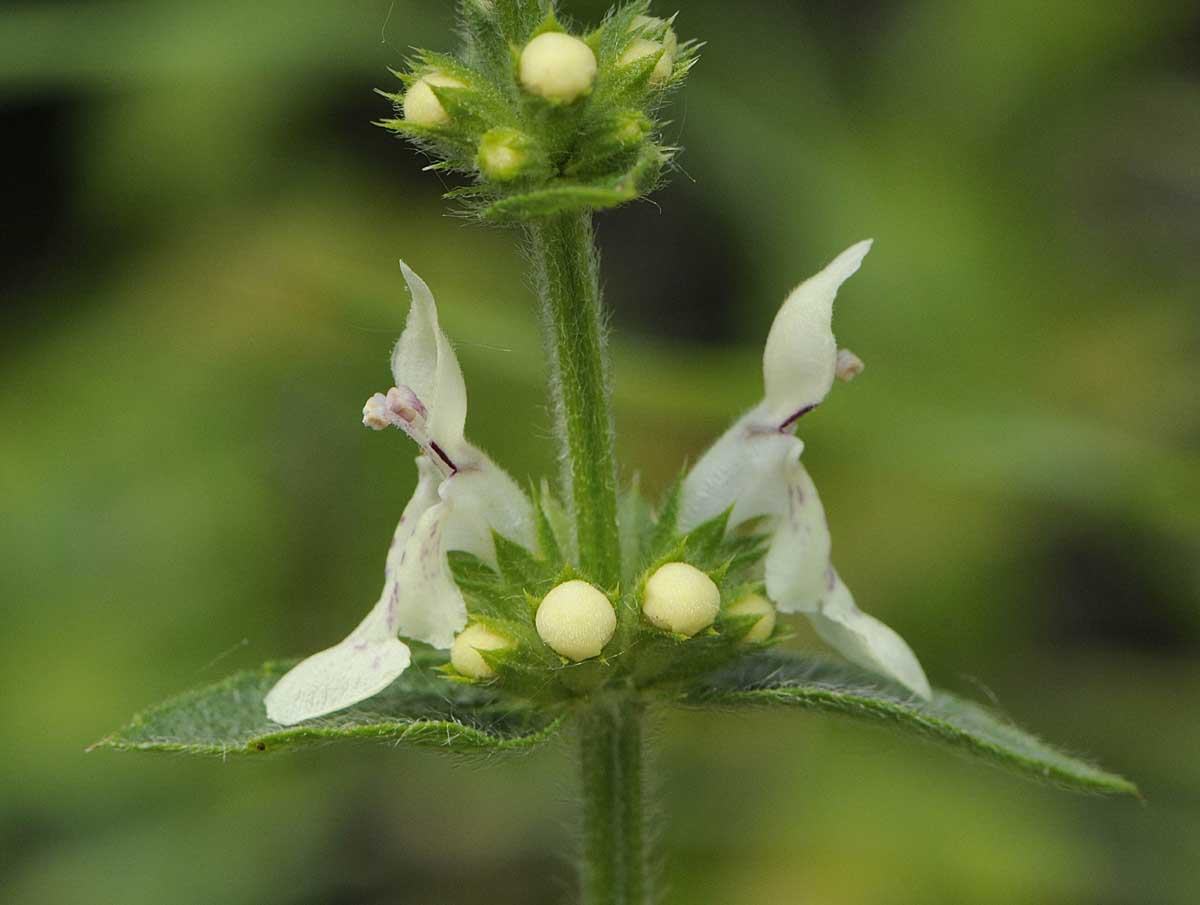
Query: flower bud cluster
[541, 119]
[575, 622]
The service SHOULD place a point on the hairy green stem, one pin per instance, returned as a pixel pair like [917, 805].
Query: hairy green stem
[563, 253]
[614, 870]
[562, 250]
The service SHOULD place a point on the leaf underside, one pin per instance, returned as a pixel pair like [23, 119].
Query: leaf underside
[784, 678]
[419, 708]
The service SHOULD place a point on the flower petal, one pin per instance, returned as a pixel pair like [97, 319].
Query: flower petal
[746, 469]
[466, 508]
[864, 640]
[424, 498]
[758, 472]
[485, 499]
[421, 596]
[359, 667]
[800, 358]
[798, 558]
[424, 361]
[371, 657]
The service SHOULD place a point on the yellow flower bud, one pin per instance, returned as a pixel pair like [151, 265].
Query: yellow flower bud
[755, 605]
[576, 620]
[558, 67]
[421, 105]
[681, 599]
[464, 655]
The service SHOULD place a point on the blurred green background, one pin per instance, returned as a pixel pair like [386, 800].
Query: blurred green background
[199, 284]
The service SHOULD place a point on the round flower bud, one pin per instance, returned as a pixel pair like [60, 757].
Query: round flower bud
[557, 67]
[464, 654]
[681, 599]
[755, 605]
[503, 153]
[576, 620]
[421, 105]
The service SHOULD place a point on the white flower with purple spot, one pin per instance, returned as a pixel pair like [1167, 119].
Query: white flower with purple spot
[755, 468]
[460, 499]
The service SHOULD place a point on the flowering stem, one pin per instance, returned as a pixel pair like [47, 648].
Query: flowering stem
[564, 261]
[614, 860]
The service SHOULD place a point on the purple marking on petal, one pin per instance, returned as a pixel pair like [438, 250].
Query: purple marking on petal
[830, 579]
[792, 419]
[375, 663]
[441, 455]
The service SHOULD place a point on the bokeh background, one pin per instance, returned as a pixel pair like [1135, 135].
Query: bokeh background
[199, 283]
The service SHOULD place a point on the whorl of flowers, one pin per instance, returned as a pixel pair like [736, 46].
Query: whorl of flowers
[479, 568]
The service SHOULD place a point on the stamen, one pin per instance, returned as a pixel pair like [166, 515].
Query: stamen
[848, 365]
[376, 413]
[406, 404]
[402, 408]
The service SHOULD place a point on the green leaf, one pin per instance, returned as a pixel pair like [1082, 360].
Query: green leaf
[419, 708]
[473, 575]
[636, 523]
[520, 568]
[567, 196]
[562, 198]
[547, 539]
[780, 677]
[553, 518]
[704, 542]
[667, 525]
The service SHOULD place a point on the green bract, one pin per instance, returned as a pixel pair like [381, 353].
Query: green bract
[540, 120]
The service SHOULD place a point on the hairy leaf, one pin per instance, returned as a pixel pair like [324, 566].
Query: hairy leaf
[780, 677]
[419, 708]
[561, 198]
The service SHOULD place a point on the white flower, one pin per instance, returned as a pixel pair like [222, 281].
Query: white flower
[460, 499]
[755, 468]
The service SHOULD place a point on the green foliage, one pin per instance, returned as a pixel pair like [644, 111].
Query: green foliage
[419, 708]
[595, 152]
[635, 518]
[784, 678]
[423, 709]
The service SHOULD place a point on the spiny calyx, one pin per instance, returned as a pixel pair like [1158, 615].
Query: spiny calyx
[540, 119]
